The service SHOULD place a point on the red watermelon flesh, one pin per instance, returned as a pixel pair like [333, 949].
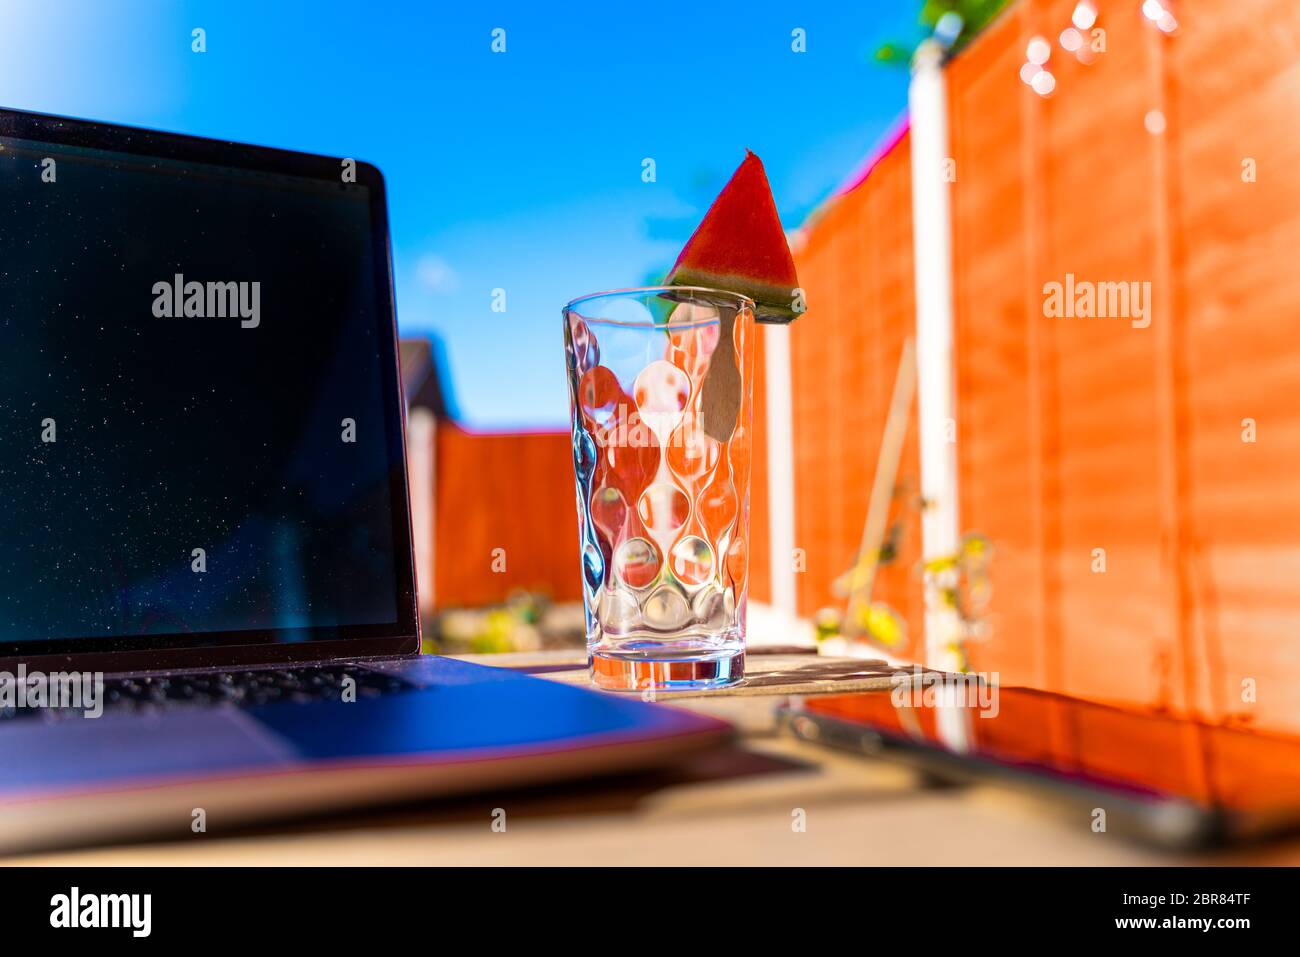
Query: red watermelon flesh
[741, 247]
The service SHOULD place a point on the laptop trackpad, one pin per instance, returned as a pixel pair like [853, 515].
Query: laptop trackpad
[85, 751]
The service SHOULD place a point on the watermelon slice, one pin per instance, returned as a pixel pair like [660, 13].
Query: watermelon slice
[741, 247]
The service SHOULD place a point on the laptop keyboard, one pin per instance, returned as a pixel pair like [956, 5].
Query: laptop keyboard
[244, 689]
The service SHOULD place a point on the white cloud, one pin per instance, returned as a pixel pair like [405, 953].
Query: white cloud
[435, 274]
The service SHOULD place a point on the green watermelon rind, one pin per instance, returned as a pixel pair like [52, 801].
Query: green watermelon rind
[773, 303]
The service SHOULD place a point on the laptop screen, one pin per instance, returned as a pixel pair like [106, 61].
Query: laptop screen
[200, 434]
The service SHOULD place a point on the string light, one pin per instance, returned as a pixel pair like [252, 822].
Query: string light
[1162, 17]
[1043, 83]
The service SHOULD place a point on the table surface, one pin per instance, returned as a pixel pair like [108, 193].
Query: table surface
[740, 805]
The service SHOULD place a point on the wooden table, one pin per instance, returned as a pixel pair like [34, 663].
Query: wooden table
[736, 806]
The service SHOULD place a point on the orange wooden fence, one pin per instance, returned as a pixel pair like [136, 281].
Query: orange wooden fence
[856, 266]
[1138, 484]
[504, 516]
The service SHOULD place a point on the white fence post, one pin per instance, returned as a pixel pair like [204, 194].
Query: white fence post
[932, 254]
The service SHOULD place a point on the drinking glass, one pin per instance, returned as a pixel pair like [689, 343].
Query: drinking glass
[660, 388]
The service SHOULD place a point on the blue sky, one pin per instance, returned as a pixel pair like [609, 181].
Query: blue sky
[519, 171]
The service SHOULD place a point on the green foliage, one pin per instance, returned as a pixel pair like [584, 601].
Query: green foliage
[894, 54]
[975, 15]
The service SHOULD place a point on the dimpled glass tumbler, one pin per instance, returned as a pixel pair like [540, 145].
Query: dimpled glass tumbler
[660, 385]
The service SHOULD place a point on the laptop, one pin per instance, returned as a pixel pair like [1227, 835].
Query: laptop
[207, 596]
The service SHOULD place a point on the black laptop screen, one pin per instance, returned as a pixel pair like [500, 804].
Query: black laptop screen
[199, 430]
